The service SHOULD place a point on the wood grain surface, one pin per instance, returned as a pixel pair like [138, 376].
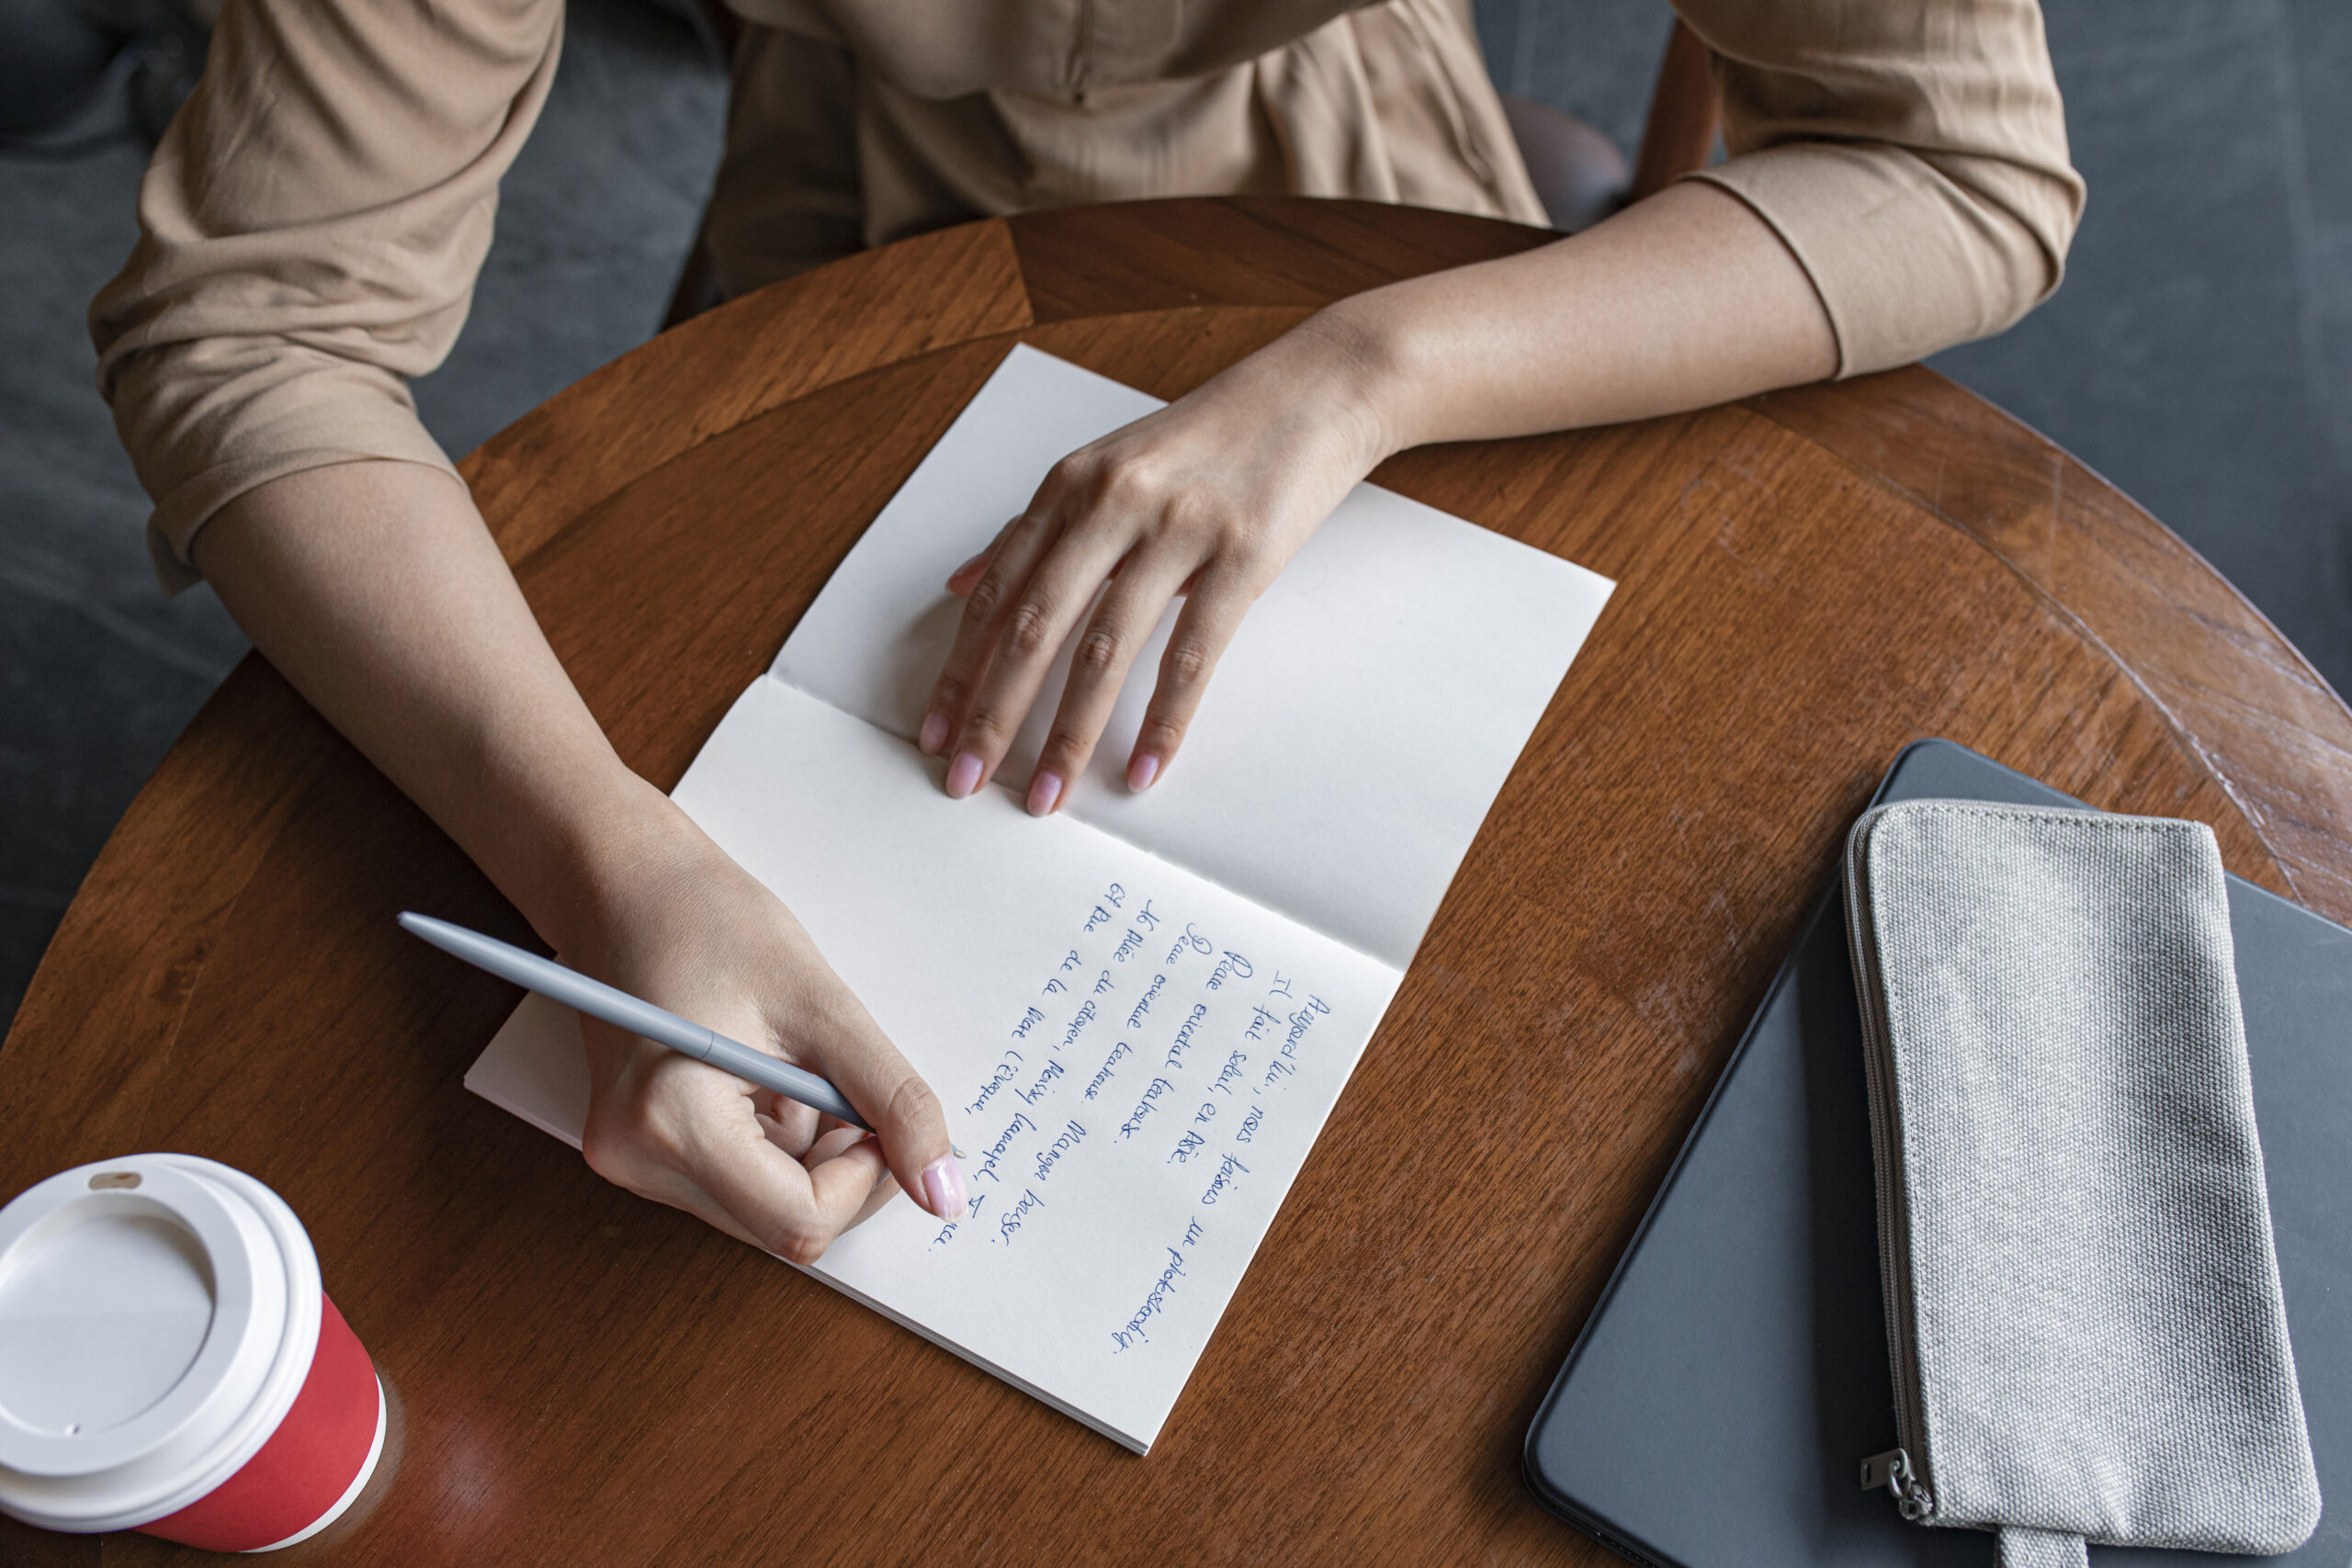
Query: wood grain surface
[1807, 581]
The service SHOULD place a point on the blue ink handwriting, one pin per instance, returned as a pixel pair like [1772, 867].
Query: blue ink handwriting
[1133, 1332]
[1051, 1155]
[1231, 966]
[1225, 1169]
[1184, 1033]
[1144, 1107]
[1021, 1123]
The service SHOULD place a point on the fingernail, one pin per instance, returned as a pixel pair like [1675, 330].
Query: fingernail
[942, 1188]
[1142, 771]
[967, 566]
[1044, 789]
[962, 775]
[934, 733]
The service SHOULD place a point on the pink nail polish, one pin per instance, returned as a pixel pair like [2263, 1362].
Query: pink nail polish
[1044, 789]
[934, 733]
[1141, 772]
[962, 775]
[942, 1188]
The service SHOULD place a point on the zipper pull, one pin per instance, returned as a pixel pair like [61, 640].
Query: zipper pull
[1892, 1471]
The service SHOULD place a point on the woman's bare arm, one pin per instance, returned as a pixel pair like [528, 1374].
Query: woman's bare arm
[374, 587]
[1681, 301]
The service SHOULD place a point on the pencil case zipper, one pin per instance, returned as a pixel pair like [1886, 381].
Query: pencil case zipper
[1907, 1470]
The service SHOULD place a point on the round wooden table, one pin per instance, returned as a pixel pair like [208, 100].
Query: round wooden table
[1806, 581]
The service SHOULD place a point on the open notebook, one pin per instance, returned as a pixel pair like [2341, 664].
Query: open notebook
[1138, 1012]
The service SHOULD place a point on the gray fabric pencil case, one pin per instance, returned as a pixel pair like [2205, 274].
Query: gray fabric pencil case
[2083, 1310]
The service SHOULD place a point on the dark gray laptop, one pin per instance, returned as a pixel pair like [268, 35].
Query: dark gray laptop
[1717, 1408]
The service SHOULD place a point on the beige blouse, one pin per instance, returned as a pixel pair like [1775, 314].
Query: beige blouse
[312, 223]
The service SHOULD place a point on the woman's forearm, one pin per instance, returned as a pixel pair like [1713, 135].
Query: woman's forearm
[1681, 301]
[378, 592]
[374, 587]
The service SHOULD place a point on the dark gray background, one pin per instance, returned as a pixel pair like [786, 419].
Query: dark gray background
[2199, 354]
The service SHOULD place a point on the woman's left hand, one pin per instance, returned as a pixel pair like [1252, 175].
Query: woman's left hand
[1208, 498]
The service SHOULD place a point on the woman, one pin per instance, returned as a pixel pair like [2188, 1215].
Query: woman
[311, 226]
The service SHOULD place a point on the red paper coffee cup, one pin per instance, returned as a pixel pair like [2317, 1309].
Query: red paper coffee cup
[169, 1364]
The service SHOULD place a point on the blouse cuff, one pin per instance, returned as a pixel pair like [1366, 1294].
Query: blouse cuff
[226, 444]
[1910, 252]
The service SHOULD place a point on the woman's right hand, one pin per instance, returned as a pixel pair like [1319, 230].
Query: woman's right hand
[676, 921]
[376, 588]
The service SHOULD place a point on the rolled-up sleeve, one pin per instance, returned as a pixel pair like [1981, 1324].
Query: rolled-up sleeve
[1912, 155]
[310, 232]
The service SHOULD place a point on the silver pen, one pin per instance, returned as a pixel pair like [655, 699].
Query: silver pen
[619, 1008]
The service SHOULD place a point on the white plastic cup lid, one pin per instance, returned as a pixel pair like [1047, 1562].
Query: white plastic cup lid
[158, 1315]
